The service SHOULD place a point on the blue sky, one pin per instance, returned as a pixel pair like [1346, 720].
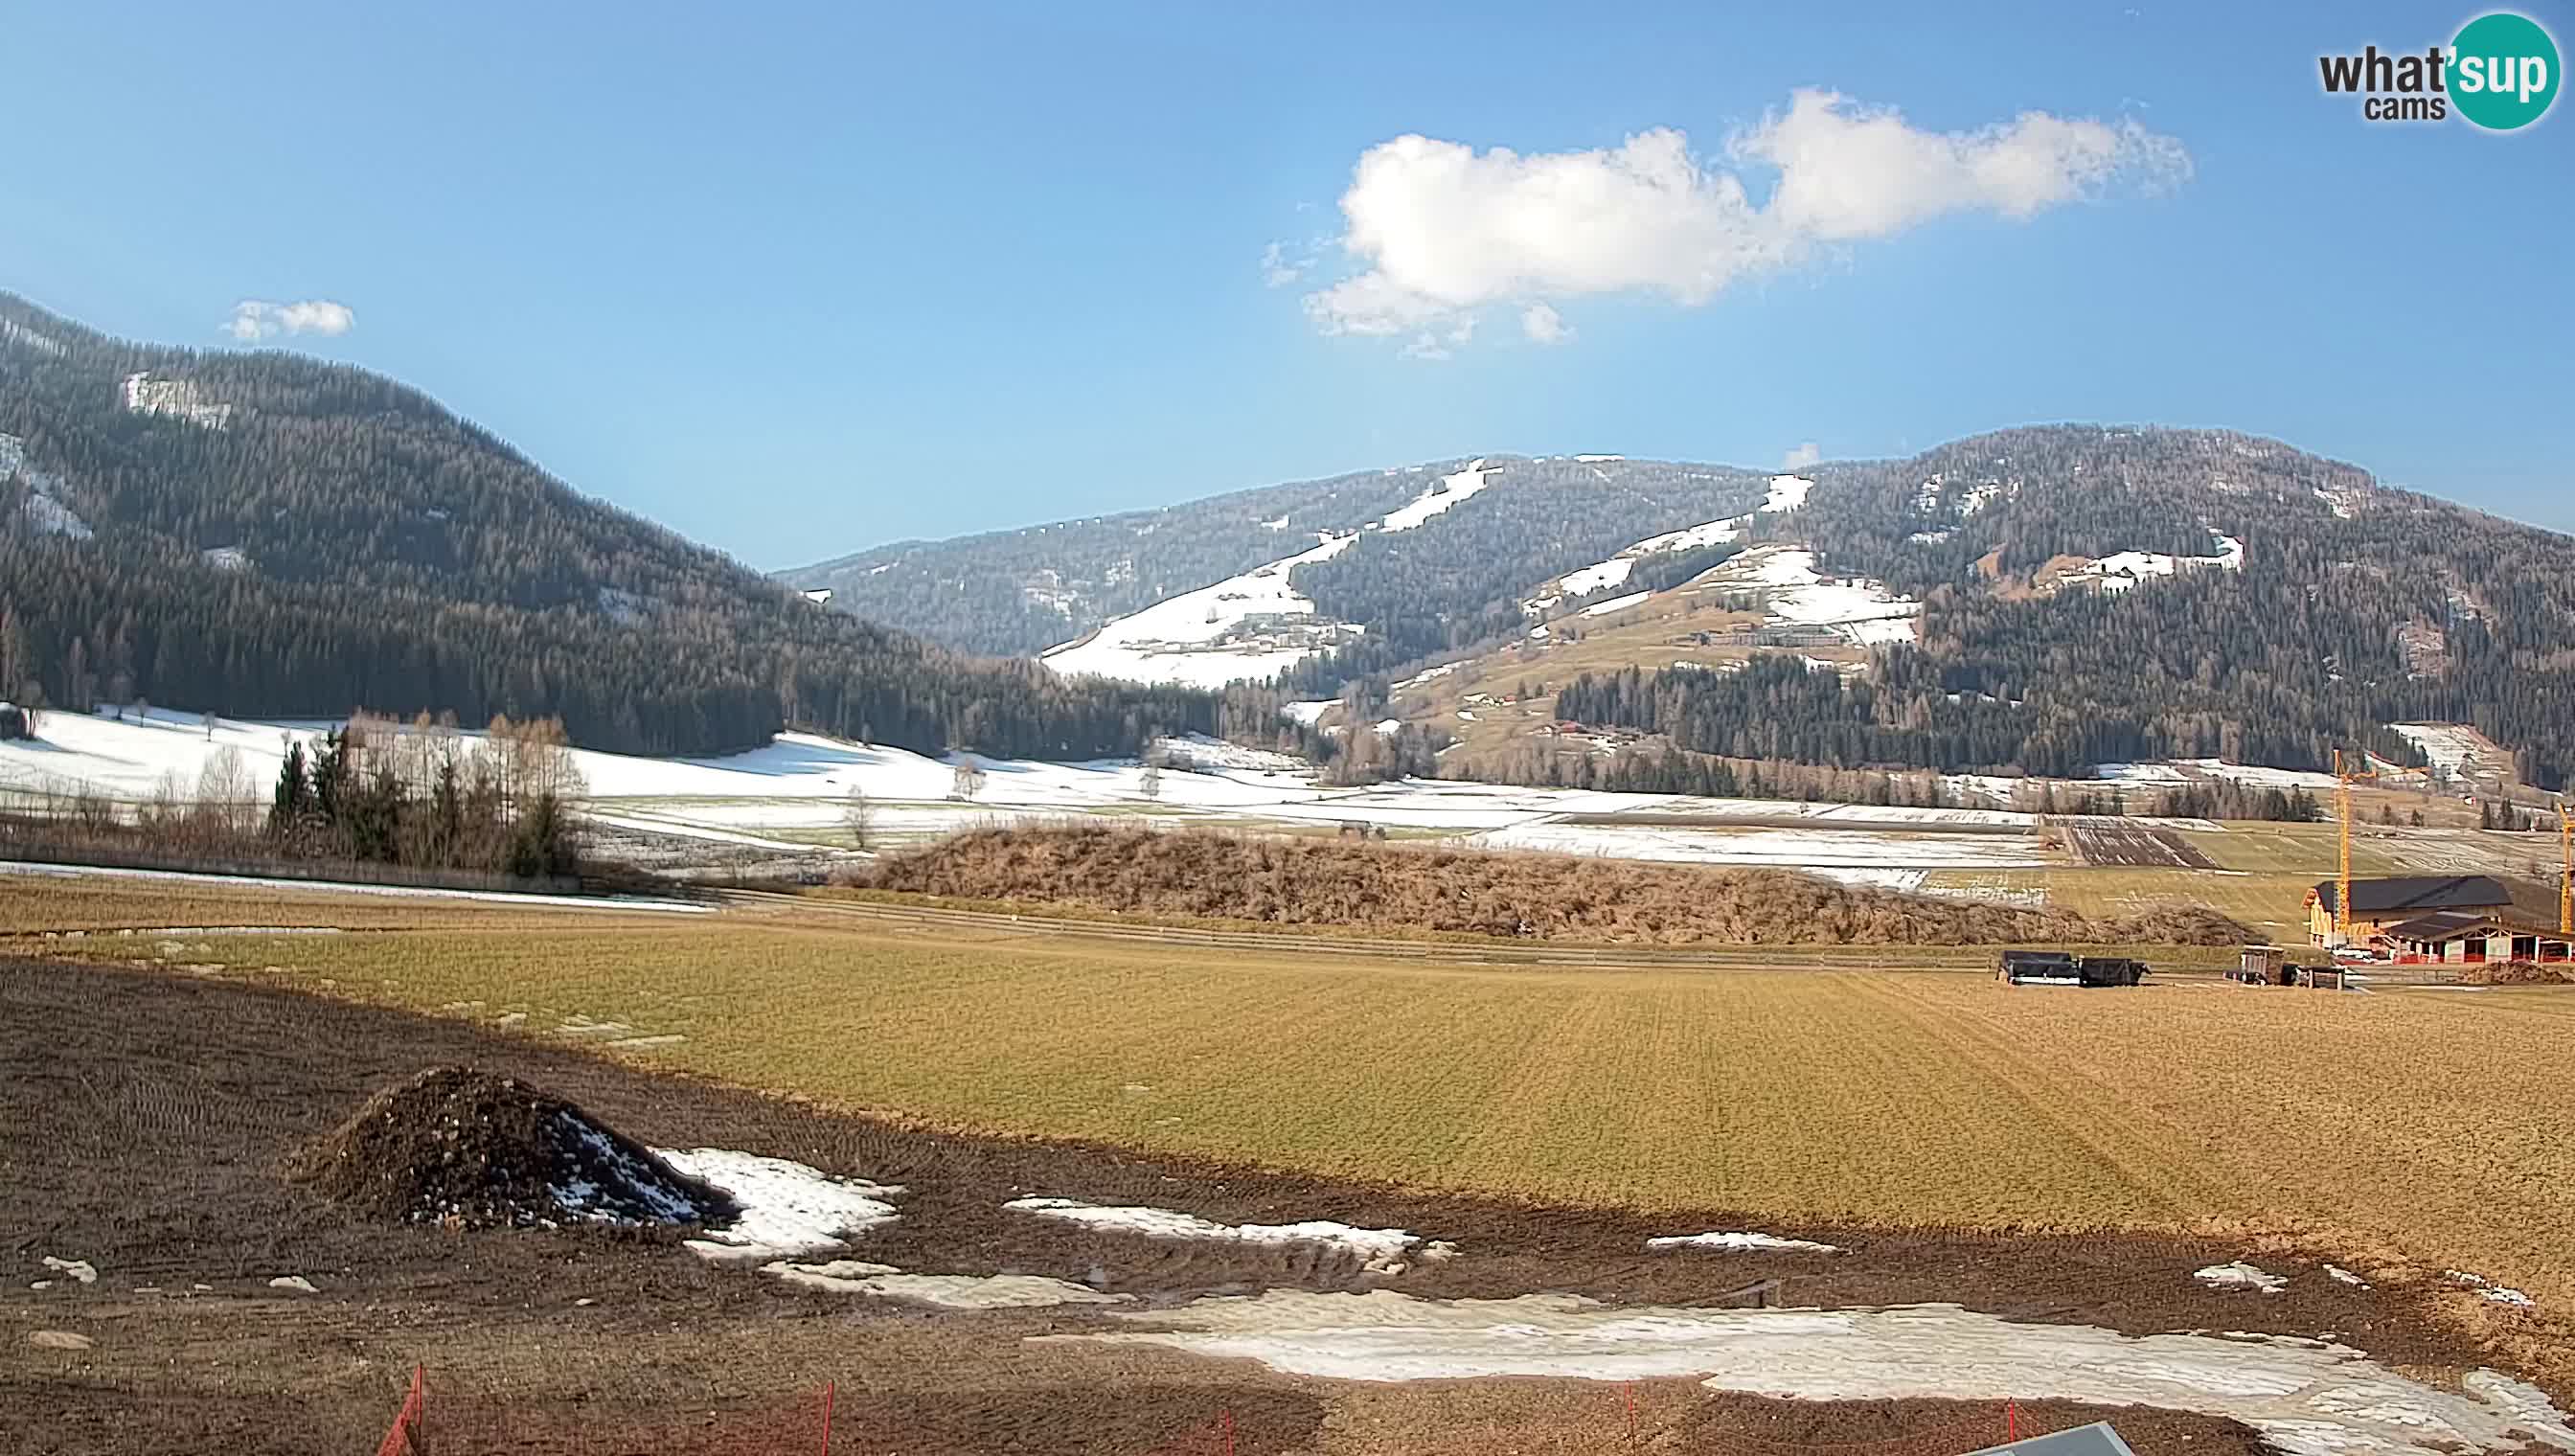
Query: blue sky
[800, 279]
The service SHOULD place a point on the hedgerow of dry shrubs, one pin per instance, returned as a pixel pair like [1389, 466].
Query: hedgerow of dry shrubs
[2515, 973]
[1334, 883]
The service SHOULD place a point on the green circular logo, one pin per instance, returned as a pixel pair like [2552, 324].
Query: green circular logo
[2504, 71]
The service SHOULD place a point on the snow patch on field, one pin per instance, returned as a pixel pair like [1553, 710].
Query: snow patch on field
[1443, 497]
[2489, 1290]
[1741, 1244]
[950, 1291]
[2307, 1397]
[1616, 604]
[2121, 571]
[1378, 1251]
[1787, 493]
[1612, 573]
[2455, 748]
[80, 1271]
[1427, 674]
[2241, 1276]
[1860, 611]
[49, 517]
[1822, 849]
[788, 1208]
[1603, 575]
[2193, 770]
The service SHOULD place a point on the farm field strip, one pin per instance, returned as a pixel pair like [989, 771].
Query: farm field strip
[1790, 1095]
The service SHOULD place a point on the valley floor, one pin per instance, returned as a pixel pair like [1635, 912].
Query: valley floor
[150, 1109]
[790, 806]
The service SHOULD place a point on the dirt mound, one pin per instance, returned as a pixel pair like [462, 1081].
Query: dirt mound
[2516, 973]
[1512, 893]
[465, 1149]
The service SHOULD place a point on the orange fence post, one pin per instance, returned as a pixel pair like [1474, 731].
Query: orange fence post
[1632, 1412]
[2011, 1421]
[1224, 1419]
[829, 1388]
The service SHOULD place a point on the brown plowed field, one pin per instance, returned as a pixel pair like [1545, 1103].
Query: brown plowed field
[2113, 842]
[147, 1116]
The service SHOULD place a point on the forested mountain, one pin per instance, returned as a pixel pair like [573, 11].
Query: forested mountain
[1449, 580]
[1021, 591]
[2085, 595]
[265, 534]
[2348, 606]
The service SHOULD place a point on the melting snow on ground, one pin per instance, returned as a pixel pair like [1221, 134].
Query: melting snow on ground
[2192, 770]
[1616, 604]
[1445, 494]
[1787, 493]
[49, 517]
[2241, 1276]
[1177, 639]
[2123, 570]
[1378, 1251]
[787, 1208]
[2487, 1289]
[1823, 851]
[641, 1192]
[2307, 1397]
[951, 1291]
[1863, 612]
[2452, 747]
[80, 1271]
[1603, 575]
[1741, 1244]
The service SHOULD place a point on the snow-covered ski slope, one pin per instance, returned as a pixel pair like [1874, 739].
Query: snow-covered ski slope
[1248, 628]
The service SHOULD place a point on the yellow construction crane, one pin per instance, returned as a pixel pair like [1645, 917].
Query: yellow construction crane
[2343, 778]
[2566, 878]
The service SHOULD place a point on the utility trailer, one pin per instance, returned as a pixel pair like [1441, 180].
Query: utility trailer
[2059, 968]
[2262, 965]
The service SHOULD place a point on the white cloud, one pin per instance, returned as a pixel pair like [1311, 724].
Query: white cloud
[1440, 230]
[1442, 344]
[1800, 457]
[1543, 325]
[254, 319]
[1275, 269]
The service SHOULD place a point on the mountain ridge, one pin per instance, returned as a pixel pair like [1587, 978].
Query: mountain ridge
[265, 534]
[2342, 605]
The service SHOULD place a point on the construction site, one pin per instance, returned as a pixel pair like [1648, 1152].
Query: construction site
[2418, 919]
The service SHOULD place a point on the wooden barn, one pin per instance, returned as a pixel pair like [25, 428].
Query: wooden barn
[2380, 904]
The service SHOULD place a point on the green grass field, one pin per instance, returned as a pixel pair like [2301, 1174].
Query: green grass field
[1790, 1093]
